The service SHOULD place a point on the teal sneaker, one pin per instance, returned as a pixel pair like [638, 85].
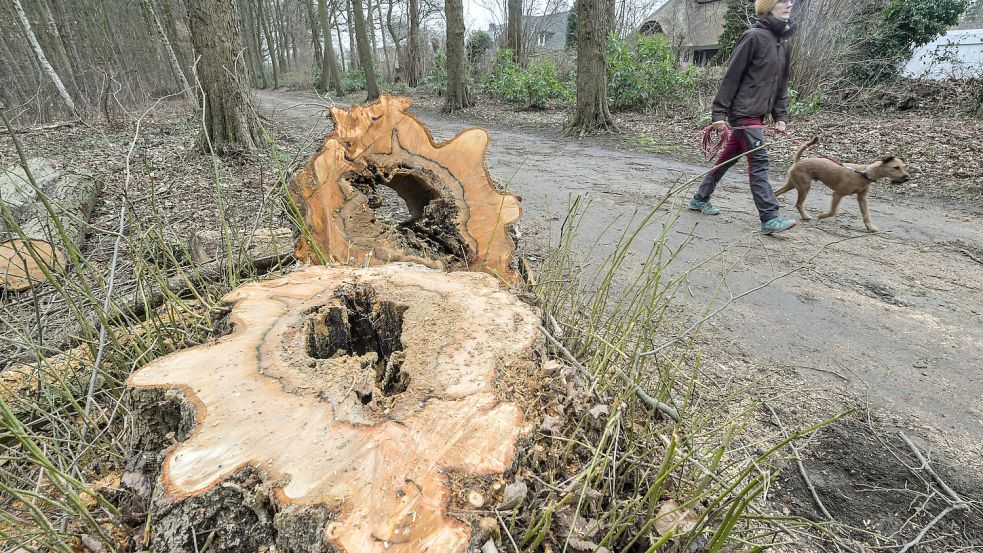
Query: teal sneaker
[704, 207]
[777, 224]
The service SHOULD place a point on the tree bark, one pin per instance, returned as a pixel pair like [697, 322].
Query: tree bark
[270, 45]
[42, 58]
[230, 122]
[182, 81]
[593, 26]
[382, 32]
[513, 30]
[364, 52]
[253, 50]
[413, 45]
[329, 63]
[458, 95]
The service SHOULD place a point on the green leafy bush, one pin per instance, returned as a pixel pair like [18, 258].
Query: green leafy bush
[642, 72]
[803, 106]
[437, 79]
[532, 87]
[353, 80]
[904, 26]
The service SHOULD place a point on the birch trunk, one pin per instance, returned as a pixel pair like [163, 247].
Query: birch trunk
[42, 58]
[182, 81]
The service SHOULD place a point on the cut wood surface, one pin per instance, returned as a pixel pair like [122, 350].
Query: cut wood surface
[359, 390]
[457, 217]
[33, 215]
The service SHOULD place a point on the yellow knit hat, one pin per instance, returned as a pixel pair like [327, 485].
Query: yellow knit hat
[762, 7]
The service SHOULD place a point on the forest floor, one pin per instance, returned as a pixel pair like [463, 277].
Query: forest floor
[889, 324]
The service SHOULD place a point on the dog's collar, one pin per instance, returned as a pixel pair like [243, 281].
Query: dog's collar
[862, 174]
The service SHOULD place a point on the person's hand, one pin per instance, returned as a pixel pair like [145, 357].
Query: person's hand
[719, 126]
[780, 126]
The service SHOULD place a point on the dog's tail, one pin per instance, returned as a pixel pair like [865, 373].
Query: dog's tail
[802, 148]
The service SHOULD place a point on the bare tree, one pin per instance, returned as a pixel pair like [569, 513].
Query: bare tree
[364, 52]
[413, 45]
[458, 96]
[230, 122]
[169, 50]
[42, 58]
[593, 25]
[328, 65]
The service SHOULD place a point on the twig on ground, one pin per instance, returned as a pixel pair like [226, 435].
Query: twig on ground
[957, 502]
[802, 468]
[925, 530]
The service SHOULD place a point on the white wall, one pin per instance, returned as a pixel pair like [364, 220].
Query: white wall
[956, 54]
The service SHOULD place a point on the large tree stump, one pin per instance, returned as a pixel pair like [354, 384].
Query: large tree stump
[70, 199]
[457, 216]
[338, 412]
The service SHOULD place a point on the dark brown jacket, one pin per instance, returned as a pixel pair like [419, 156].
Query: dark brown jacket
[756, 82]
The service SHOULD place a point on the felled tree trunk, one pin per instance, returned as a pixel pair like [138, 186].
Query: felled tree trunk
[335, 413]
[457, 217]
[32, 242]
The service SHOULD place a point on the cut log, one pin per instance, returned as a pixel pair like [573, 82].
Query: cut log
[34, 213]
[208, 245]
[333, 415]
[455, 217]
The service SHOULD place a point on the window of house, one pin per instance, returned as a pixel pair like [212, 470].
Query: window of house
[542, 39]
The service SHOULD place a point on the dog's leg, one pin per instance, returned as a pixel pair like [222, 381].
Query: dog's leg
[800, 201]
[832, 206]
[862, 200]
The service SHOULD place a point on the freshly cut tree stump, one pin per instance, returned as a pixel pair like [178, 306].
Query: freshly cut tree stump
[70, 199]
[335, 413]
[457, 216]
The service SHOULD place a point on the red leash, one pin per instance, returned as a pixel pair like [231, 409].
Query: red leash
[711, 146]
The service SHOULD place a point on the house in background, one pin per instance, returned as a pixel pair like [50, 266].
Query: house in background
[543, 32]
[956, 54]
[693, 27]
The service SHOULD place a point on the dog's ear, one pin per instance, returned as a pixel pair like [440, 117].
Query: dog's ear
[887, 159]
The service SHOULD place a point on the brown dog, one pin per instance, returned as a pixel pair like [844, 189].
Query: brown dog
[844, 180]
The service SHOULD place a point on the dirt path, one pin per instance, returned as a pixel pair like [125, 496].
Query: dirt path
[896, 317]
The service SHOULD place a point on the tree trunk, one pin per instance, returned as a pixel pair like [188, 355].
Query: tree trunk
[58, 46]
[182, 81]
[397, 71]
[593, 26]
[458, 95]
[256, 39]
[382, 32]
[315, 37]
[449, 214]
[253, 52]
[341, 43]
[329, 63]
[513, 30]
[52, 217]
[330, 418]
[229, 118]
[270, 45]
[364, 52]
[353, 53]
[413, 45]
[42, 59]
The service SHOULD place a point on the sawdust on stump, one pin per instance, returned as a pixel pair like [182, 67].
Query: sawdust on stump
[457, 216]
[359, 392]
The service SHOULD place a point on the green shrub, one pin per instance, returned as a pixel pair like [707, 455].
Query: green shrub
[479, 43]
[353, 80]
[642, 73]
[904, 26]
[437, 79]
[803, 106]
[532, 87]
